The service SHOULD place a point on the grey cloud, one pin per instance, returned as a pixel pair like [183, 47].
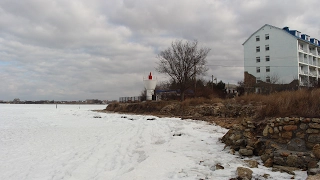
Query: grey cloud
[72, 50]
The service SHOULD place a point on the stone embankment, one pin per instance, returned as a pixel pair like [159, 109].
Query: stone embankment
[285, 144]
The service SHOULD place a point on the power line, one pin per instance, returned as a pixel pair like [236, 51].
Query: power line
[245, 66]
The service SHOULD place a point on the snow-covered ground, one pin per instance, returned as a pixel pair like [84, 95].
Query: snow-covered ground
[44, 142]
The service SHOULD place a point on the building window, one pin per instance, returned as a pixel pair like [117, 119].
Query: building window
[257, 59]
[267, 68]
[258, 49]
[268, 79]
[257, 38]
[267, 58]
[258, 79]
[258, 69]
[267, 36]
[267, 48]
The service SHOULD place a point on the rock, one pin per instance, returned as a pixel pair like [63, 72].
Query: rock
[303, 126]
[219, 166]
[313, 164]
[290, 127]
[252, 163]
[279, 161]
[296, 144]
[312, 131]
[316, 150]
[244, 173]
[266, 176]
[313, 171]
[265, 131]
[275, 136]
[237, 127]
[270, 130]
[284, 154]
[276, 130]
[249, 147]
[287, 134]
[264, 157]
[286, 169]
[231, 137]
[268, 162]
[316, 120]
[310, 145]
[246, 152]
[249, 135]
[300, 135]
[314, 138]
[314, 125]
[232, 151]
[292, 160]
[286, 119]
[240, 142]
[314, 177]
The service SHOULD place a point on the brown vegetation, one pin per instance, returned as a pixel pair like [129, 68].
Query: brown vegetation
[300, 103]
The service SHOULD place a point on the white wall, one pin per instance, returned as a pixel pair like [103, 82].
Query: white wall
[283, 54]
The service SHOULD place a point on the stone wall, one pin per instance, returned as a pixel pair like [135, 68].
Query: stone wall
[292, 142]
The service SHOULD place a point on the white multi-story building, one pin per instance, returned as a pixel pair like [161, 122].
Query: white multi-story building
[276, 55]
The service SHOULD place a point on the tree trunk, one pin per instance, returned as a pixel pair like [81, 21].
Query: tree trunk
[182, 96]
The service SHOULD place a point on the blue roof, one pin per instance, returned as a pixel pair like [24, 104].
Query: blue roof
[303, 37]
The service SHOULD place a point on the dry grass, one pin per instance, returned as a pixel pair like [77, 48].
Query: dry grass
[304, 103]
[301, 103]
[200, 101]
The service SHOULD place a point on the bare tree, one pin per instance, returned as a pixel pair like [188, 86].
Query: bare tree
[274, 79]
[182, 62]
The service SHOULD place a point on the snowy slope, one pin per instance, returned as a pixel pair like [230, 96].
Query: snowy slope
[42, 142]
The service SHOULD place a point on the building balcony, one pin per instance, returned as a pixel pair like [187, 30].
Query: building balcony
[303, 72]
[313, 63]
[303, 60]
[314, 74]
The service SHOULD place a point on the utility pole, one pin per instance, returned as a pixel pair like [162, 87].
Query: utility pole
[212, 83]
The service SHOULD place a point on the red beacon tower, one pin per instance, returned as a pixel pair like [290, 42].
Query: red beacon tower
[150, 85]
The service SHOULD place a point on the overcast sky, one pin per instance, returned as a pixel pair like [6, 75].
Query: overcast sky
[102, 49]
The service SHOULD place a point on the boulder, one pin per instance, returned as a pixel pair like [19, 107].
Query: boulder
[292, 160]
[314, 177]
[316, 150]
[296, 144]
[244, 173]
[313, 171]
[314, 125]
[252, 163]
[289, 170]
[246, 152]
[268, 162]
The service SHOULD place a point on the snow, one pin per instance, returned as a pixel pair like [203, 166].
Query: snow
[68, 142]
